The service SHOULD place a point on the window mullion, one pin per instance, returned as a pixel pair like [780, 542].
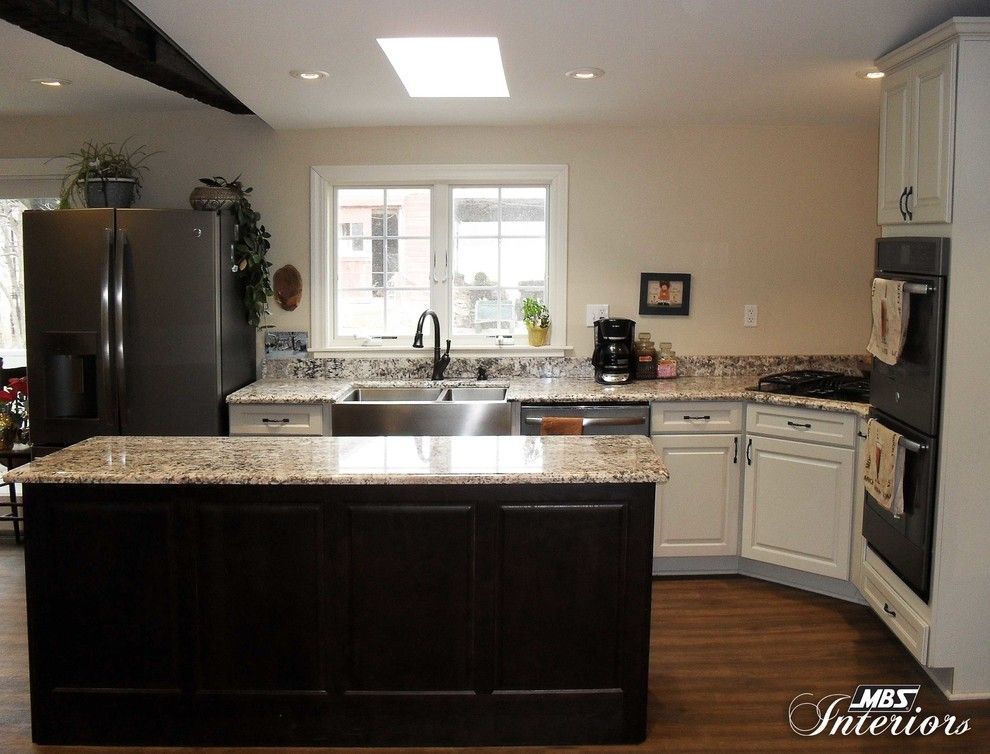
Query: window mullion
[441, 233]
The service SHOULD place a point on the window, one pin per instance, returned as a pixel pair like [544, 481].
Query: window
[24, 184]
[469, 242]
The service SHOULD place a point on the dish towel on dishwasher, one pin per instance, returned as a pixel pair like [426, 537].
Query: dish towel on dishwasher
[562, 425]
[890, 320]
[883, 467]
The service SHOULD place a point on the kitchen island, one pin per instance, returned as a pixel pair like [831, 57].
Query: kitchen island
[340, 591]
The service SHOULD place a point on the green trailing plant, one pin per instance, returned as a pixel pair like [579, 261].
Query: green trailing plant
[535, 313]
[96, 161]
[250, 250]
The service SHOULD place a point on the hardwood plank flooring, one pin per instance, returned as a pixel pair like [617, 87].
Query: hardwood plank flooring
[727, 656]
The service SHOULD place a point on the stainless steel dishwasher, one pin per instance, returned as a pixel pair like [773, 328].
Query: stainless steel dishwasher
[599, 419]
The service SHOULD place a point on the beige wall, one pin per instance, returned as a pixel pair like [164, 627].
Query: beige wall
[783, 217]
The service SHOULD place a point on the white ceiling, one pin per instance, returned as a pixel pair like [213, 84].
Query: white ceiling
[672, 61]
[95, 88]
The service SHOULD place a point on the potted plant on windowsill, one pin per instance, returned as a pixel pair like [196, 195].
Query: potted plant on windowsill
[104, 175]
[536, 315]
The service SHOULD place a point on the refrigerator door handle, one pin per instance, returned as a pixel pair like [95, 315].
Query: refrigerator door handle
[109, 411]
[118, 308]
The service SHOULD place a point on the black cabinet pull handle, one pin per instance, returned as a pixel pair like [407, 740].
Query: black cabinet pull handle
[861, 434]
[699, 418]
[907, 205]
[886, 609]
[900, 203]
[284, 420]
[735, 450]
[798, 424]
[749, 452]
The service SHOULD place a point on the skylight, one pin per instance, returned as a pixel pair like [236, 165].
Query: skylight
[448, 66]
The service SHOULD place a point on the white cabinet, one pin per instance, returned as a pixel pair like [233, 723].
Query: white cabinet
[698, 508]
[917, 109]
[797, 505]
[276, 419]
[697, 511]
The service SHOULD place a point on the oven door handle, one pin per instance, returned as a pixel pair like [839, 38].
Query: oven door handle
[598, 421]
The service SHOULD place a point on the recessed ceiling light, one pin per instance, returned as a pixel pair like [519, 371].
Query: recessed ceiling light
[51, 82]
[309, 75]
[871, 73]
[447, 66]
[585, 73]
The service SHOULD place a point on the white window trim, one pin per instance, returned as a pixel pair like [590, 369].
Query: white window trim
[324, 179]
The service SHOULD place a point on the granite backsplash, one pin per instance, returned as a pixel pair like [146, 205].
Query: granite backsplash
[466, 367]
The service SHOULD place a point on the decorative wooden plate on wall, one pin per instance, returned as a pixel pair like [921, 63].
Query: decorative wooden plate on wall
[288, 286]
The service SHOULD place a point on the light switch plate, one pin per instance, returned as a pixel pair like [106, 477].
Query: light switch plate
[595, 312]
[750, 315]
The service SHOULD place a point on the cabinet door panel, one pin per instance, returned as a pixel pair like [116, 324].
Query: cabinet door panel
[560, 615]
[259, 594]
[698, 508]
[895, 135]
[932, 157]
[397, 642]
[797, 506]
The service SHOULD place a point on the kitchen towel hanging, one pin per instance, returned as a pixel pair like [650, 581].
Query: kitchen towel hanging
[883, 467]
[890, 320]
[562, 425]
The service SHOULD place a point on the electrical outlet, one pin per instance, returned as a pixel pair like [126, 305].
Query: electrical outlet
[595, 312]
[750, 315]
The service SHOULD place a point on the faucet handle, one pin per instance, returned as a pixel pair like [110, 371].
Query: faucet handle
[447, 352]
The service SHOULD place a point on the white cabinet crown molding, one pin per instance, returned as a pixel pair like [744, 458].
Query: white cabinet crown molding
[971, 27]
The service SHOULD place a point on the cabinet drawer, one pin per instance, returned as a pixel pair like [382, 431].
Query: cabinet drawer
[900, 618]
[706, 416]
[275, 419]
[801, 424]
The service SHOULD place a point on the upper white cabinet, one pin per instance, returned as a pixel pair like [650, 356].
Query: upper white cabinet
[917, 125]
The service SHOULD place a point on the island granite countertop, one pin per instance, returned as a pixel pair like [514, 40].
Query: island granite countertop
[551, 390]
[349, 460]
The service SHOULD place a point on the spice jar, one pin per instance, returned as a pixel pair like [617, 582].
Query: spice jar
[666, 362]
[646, 358]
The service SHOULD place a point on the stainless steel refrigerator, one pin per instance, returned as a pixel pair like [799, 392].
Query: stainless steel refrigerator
[135, 323]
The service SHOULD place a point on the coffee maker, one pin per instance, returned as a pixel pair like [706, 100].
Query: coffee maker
[613, 355]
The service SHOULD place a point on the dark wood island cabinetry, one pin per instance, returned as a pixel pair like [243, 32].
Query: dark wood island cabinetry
[357, 591]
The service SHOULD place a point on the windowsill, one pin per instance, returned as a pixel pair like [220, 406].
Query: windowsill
[387, 351]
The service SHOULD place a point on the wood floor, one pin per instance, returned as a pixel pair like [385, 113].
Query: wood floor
[728, 654]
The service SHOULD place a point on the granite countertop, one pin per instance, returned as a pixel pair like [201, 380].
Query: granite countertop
[552, 390]
[349, 460]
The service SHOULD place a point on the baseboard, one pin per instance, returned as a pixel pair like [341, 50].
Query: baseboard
[696, 566]
[809, 582]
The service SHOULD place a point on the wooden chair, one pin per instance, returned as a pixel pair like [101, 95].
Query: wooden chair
[16, 456]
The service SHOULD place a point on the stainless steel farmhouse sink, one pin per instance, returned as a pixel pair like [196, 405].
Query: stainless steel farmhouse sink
[369, 412]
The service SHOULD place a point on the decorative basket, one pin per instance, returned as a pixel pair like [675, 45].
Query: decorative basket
[212, 198]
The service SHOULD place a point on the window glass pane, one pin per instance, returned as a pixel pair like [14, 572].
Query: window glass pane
[524, 211]
[475, 211]
[360, 312]
[476, 261]
[523, 261]
[500, 243]
[382, 244]
[403, 309]
[12, 273]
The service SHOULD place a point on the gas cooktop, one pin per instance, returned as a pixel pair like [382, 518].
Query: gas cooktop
[815, 383]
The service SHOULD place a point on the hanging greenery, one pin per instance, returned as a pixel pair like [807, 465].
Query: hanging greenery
[250, 251]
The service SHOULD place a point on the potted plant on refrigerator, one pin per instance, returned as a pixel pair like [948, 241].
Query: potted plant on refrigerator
[104, 175]
[536, 315]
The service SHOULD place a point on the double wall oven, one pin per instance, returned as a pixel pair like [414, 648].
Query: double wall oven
[907, 398]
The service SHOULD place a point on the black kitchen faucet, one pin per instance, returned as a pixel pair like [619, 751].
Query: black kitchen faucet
[440, 361]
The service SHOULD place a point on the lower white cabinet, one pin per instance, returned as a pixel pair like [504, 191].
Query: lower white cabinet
[698, 509]
[797, 505]
[277, 419]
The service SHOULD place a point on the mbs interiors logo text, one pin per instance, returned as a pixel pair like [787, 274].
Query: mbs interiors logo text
[870, 711]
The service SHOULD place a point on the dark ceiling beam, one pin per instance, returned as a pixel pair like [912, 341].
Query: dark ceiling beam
[117, 33]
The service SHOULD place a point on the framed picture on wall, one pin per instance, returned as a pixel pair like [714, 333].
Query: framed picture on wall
[665, 294]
